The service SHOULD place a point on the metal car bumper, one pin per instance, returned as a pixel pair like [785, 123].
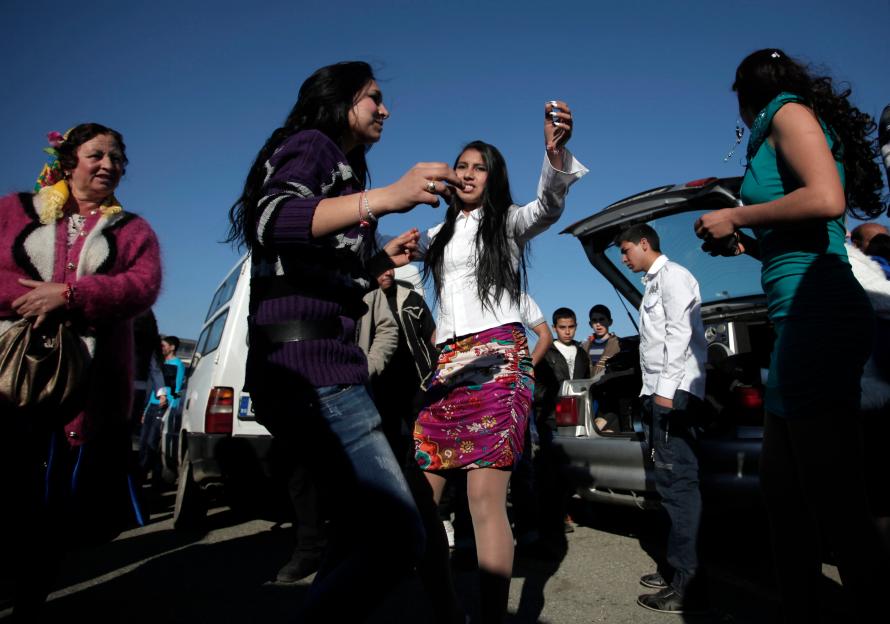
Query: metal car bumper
[214, 456]
[613, 469]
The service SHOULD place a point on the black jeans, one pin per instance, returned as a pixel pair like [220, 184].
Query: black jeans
[811, 472]
[673, 447]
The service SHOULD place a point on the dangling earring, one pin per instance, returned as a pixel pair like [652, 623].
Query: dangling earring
[739, 133]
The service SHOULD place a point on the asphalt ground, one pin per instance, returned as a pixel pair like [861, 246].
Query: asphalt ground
[225, 573]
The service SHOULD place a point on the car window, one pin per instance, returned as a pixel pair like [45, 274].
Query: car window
[214, 333]
[202, 340]
[718, 278]
[224, 293]
[209, 339]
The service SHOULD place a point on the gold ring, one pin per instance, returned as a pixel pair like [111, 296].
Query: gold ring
[431, 187]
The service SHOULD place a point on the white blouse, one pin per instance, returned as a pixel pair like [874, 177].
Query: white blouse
[460, 312]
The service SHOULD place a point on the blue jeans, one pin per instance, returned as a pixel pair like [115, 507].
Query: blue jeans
[672, 441]
[376, 531]
[150, 440]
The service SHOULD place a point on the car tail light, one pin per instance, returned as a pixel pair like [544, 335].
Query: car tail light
[700, 182]
[748, 397]
[567, 412]
[220, 409]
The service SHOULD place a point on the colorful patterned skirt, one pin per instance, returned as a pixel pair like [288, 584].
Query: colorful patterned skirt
[478, 403]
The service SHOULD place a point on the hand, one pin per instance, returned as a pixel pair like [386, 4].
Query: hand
[663, 402]
[727, 247]
[556, 136]
[414, 187]
[402, 249]
[43, 299]
[716, 224]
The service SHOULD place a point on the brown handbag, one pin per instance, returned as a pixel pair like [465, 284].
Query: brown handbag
[42, 369]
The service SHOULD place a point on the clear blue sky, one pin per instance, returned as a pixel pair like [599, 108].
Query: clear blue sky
[196, 87]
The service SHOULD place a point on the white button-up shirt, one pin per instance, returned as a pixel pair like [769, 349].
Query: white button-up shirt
[460, 312]
[673, 349]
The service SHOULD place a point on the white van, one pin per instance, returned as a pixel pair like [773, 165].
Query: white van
[215, 440]
[216, 434]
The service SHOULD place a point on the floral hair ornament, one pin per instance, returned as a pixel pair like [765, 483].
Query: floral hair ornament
[51, 189]
[775, 54]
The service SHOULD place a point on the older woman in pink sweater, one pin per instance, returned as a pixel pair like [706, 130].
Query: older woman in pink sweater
[70, 254]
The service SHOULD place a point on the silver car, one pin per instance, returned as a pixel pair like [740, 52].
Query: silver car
[612, 464]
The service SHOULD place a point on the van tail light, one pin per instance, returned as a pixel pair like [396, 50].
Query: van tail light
[748, 397]
[220, 410]
[567, 412]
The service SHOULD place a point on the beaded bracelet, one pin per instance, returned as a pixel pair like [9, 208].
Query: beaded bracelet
[365, 222]
[362, 222]
[370, 215]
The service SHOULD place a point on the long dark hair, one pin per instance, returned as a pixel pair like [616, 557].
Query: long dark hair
[764, 74]
[494, 268]
[323, 104]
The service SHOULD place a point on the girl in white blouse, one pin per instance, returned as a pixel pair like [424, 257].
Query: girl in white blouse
[480, 395]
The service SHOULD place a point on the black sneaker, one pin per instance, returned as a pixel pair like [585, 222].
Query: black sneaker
[669, 601]
[301, 565]
[653, 580]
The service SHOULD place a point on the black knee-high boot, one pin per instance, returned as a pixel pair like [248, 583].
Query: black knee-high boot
[494, 590]
[433, 568]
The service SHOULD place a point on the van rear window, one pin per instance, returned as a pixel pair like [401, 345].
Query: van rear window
[224, 293]
[209, 339]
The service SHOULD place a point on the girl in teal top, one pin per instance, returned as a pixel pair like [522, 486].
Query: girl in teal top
[807, 280]
[809, 161]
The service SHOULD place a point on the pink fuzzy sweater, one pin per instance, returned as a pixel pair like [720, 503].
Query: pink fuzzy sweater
[116, 271]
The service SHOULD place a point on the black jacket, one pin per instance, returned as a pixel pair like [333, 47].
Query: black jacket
[550, 372]
[416, 320]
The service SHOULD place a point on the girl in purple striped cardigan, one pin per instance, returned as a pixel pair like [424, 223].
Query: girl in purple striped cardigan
[309, 220]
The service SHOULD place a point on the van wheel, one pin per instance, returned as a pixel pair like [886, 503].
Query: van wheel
[191, 508]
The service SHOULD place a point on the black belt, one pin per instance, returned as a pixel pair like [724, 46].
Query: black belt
[295, 331]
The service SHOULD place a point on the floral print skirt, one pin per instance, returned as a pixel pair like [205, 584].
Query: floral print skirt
[478, 402]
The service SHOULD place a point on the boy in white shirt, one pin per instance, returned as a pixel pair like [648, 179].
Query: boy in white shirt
[673, 352]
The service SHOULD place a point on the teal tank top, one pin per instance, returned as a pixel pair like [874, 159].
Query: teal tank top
[787, 250]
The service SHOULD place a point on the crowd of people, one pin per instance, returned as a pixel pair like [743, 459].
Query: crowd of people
[393, 406]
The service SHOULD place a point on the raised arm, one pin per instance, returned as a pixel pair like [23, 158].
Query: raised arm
[533, 218]
[559, 172]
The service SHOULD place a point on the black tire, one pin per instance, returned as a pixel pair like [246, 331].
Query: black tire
[191, 507]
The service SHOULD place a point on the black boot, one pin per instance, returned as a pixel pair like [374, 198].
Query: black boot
[494, 590]
[302, 564]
